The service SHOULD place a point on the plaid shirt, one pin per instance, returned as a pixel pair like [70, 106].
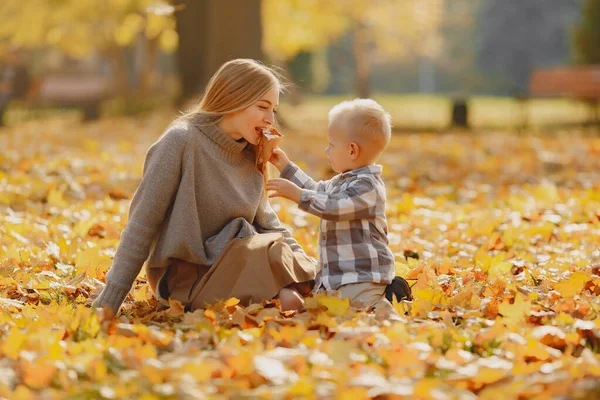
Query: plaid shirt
[353, 243]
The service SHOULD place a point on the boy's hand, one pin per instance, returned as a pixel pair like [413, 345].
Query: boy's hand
[284, 188]
[279, 159]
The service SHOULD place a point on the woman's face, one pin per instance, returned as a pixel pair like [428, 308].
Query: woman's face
[250, 122]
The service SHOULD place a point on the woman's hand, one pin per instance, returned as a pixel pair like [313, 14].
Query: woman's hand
[279, 159]
[284, 188]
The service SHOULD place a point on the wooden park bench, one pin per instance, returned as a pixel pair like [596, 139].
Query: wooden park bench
[577, 82]
[85, 92]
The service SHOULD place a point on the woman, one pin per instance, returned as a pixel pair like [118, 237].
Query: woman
[200, 216]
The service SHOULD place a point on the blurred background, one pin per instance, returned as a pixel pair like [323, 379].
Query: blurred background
[433, 64]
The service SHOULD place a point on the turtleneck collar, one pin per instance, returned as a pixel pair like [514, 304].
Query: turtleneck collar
[229, 148]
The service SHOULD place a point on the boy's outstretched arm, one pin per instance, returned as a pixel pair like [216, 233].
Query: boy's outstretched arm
[293, 173]
[358, 201]
[279, 159]
[286, 189]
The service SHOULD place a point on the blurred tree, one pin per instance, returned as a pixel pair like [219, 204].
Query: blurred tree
[295, 27]
[516, 36]
[388, 29]
[457, 60]
[587, 34]
[299, 68]
[299, 71]
[212, 32]
[80, 28]
[192, 28]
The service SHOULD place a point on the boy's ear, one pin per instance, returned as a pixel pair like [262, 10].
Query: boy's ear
[354, 150]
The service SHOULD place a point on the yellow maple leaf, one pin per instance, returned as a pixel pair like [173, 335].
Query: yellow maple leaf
[353, 393]
[97, 371]
[150, 396]
[17, 252]
[304, 387]
[509, 235]
[23, 393]
[534, 348]
[231, 302]
[82, 227]
[140, 293]
[546, 194]
[498, 267]
[495, 266]
[91, 259]
[37, 374]
[572, 286]
[13, 343]
[514, 312]
[200, 371]
[545, 229]
[564, 319]
[486, 375]
[423, 302]
[335, 307]
[55, 198]
[466, 298]
[176, 309]
[325, 320]
[401, 268]
[425, 386]
[6, 198]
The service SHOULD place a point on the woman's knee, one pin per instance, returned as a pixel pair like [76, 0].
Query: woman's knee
[278, 249]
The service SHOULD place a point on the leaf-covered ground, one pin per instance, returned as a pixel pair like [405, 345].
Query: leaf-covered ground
[506, 230]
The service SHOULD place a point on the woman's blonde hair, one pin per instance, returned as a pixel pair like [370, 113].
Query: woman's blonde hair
[235, 86]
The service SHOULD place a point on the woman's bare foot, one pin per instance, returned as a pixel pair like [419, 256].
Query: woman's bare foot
[290, 299]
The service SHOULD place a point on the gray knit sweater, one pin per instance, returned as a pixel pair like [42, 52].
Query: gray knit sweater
[199, 190]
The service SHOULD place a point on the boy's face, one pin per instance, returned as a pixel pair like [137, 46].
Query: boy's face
[338, 150]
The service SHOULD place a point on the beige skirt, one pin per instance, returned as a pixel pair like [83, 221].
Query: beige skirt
[251, 269]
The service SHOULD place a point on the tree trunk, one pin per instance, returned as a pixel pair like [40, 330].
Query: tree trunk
[460, 113]
[192, 28]
[594, 114]
[235, 31]
[360, 52]
[150, 71]
[523, 103]
[117, 59]
[212, 32]
[294, 95]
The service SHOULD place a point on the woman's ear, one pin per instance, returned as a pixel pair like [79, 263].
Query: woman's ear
[354, 150]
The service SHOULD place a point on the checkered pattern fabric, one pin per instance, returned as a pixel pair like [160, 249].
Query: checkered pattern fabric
[353, 243]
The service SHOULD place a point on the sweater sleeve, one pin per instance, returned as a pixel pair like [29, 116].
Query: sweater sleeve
[160, 180]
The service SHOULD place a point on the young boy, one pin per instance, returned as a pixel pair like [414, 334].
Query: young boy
[354, 256]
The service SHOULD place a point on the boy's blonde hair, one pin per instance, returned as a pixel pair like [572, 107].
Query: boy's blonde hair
[365, 121]
[236, 85]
